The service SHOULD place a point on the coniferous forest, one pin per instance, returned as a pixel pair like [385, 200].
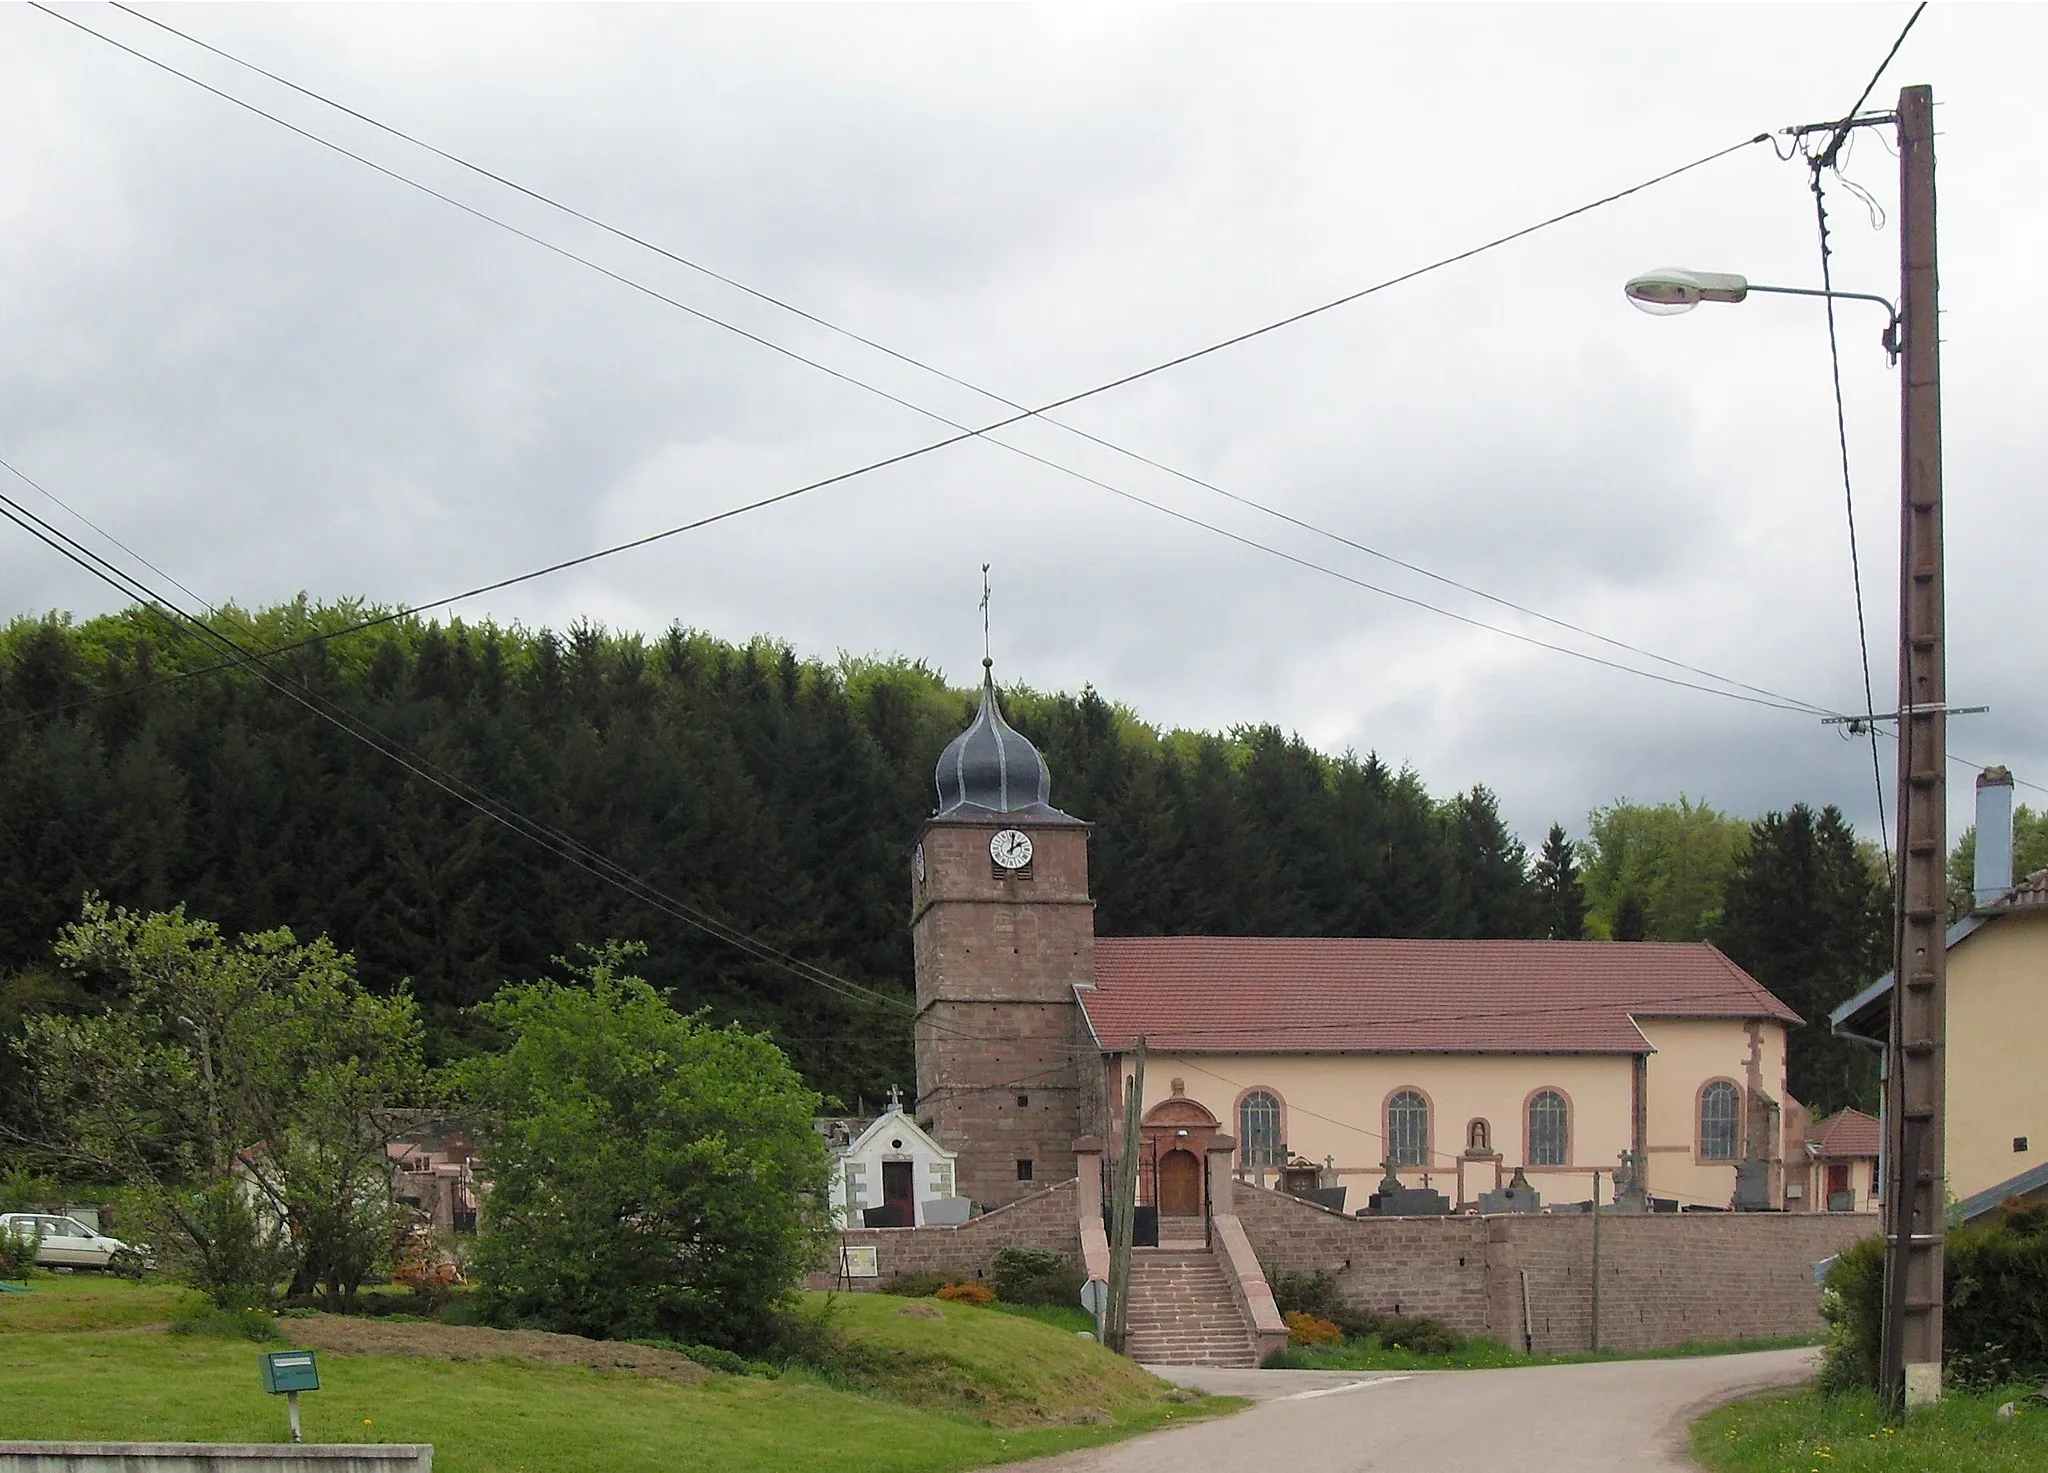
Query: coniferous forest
[777, 794]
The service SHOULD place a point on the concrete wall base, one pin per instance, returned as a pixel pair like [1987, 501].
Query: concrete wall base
[215, 1457]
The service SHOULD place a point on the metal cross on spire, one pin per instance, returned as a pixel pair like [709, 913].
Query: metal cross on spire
[986, 661]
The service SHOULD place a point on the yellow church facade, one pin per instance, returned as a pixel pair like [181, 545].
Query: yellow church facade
[1455, 1063]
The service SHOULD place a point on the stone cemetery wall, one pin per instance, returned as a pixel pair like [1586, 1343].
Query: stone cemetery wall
[1665, 1279]
[1046, 1219]
[1675, 1279]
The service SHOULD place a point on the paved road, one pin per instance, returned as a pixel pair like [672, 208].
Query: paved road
[1613, 1417]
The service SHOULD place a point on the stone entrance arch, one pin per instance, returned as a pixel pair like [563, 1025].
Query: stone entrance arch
[1175, 1134]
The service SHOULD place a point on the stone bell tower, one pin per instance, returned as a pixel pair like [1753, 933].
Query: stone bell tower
[1003, 931]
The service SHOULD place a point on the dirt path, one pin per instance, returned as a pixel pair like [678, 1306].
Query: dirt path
[349, 1335]
[1612, 1417]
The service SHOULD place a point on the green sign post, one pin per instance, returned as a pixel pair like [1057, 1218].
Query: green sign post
[287, 1373]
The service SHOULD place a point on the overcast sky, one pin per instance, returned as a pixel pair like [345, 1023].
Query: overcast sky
[269, 369]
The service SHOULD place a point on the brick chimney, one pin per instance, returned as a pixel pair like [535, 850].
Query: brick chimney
[1993, 876]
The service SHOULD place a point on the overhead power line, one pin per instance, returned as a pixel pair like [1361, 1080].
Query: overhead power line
[565, 847]
[1772, 697]
[1766, 697]
[545, 836]
[925, 366]
[1833, 150]
[1819, 163]
[1827, 282]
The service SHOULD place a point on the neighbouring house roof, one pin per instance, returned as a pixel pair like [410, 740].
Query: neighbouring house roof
[2026, 1184]
[840, 1131]
[2033, 890]
[1230, 994]
[1844, 1134]
[1868, 1013]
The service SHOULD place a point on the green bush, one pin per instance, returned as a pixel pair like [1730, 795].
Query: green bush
[226, 1324]
[231, 1256]
[1316, 1294]
[916, 1286]
[1418, 1333]
[1852, 1305]
[17, 1254]
[22, 1190]
[651, 1176]
[1307, 1293]
[809, 1338]
[1034, 1276]
[708, 1356]
[1994, 1315]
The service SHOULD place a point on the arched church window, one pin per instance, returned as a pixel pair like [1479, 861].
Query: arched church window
[1550, 1135]
[1720, 1107]
[1258, 1129]
[1408, 1128]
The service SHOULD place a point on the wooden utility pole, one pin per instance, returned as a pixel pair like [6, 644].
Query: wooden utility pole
[1915, 1212]
[1123, 1209]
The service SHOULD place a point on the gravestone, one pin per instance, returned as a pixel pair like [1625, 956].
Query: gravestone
[1516, 1196]
[1395, 1200]
[1752, 1186]
[1631, 1190]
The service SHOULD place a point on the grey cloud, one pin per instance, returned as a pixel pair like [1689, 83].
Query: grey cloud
[271, 370]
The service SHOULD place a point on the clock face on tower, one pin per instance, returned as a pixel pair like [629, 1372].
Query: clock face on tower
[917, 864]
[1010, 848]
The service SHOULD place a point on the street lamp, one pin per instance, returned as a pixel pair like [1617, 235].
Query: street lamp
[1915, 1085]
[1670, 290]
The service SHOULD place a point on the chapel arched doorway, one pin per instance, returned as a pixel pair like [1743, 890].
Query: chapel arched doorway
[1180, 1184]
[1177, 1133]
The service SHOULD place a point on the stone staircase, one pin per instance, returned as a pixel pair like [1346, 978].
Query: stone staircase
[1182, 1312]
[1182, 1232]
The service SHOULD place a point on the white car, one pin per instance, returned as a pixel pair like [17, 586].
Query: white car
[65, 1242]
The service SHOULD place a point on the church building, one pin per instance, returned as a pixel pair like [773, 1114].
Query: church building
[1451, 1065]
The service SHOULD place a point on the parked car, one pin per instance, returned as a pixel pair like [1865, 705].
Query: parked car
[65, 1242]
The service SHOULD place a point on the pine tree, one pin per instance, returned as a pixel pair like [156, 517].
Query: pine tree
[1805, 916]
[1563, 892]
[1491, 895]
[1630, 924]
[779, 794]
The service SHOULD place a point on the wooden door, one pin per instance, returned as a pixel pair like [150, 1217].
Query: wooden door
[1180, 1184]
[898, 1191]
[1838, 1177]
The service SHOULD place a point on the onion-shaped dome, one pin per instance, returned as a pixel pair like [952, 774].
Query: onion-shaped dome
[991, 768]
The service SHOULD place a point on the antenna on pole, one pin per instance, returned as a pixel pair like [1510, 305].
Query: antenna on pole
[986, 661]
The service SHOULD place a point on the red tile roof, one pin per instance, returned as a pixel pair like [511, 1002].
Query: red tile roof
[1846, 1133]
[1226, 994]
[2033, 890]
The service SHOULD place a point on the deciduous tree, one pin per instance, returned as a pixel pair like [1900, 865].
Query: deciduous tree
[1672, 858]
[651, 1176]
[244, 1086]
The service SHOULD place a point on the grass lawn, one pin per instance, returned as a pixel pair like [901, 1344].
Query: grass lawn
[79, 1361]
[88, 1301]
[1069, 1317]
[1481, 1354]
[1804, 1432]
